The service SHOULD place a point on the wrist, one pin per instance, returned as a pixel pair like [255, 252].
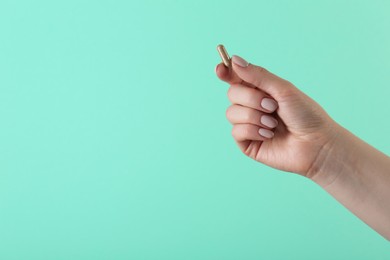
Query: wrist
[357, 175]
[334, 158]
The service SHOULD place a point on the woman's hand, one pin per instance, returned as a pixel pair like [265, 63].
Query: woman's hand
[306, 141]
[273, 121]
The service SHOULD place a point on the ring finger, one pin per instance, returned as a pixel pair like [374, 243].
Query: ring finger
[237, 114]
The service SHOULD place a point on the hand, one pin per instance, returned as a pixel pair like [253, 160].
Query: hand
[273, 121]
[306, 141]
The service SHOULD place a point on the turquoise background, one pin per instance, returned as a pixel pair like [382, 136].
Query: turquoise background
[114, 142]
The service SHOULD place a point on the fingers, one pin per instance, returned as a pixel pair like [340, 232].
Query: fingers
[245, 132]
[250, 113]
[250, 92]
[250, 124]
[259, 77]
[252, 98]
[227, 74]
[237, 114]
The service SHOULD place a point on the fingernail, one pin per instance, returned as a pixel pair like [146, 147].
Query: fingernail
[239, 61]
[269, 104]
[269, 121]
[266, 133]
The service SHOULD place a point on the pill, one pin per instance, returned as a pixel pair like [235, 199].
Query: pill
[224, 55]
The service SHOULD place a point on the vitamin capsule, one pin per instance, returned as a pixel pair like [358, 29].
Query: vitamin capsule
[224, 55]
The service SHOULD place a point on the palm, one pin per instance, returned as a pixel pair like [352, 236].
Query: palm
[283, 152]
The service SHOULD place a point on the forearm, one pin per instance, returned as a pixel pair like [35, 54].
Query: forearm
[358, 176]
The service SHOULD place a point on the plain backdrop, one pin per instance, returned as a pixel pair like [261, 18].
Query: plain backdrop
[114, 142]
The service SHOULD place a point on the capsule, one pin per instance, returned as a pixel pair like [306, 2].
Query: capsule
[224, 55]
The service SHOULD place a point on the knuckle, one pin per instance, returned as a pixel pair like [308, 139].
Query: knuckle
[234, 132]
[240, 132]
[260, 69]
[245, 131]
[257, 75]
[228, 112]
[247, 115]
[253, 97]
[230, 93]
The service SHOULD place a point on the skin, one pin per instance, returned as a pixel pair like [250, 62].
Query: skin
[307, 141]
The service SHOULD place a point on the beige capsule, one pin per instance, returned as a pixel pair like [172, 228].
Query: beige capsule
[224, 55]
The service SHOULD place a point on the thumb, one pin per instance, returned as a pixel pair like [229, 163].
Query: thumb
[227, 74]
[258, 77]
